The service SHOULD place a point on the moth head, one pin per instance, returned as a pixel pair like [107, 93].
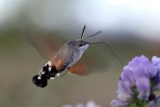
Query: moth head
[82, 43]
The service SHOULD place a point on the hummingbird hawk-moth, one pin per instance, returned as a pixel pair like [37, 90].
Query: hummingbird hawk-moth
[65, 60]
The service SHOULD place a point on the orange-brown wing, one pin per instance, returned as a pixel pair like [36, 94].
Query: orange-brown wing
[79, 69]
[95, 59]
[44, 42]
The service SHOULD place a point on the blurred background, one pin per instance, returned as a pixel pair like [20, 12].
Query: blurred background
[130, 27]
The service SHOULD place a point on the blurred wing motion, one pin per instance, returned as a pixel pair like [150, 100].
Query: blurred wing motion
[45, 43]
[93, 60]
[80, 69]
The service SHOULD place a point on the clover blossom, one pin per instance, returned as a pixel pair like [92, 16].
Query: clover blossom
[138, 82]
[88, 104]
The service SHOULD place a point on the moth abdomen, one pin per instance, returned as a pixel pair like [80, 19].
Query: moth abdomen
[47, 72]
[39, 82]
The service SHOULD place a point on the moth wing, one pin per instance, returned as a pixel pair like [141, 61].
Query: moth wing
[79, 69]
[44, 42]
[95, 59]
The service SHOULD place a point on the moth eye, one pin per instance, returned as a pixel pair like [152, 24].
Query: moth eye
[81, 44]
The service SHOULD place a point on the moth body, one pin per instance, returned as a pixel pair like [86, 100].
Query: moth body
[65, 58]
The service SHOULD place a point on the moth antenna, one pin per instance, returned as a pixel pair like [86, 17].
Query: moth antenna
[93, 35]
[109, 47]
[83, 31]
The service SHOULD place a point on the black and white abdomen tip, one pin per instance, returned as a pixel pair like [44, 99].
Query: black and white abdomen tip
[47, 72]
[39, 82]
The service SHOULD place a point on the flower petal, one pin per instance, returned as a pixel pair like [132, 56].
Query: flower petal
[144, 88]
[119, 103]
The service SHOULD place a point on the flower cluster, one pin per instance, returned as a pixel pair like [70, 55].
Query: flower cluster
[138, 82]
[89, 104]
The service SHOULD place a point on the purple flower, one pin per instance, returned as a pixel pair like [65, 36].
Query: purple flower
[119, 103]
[144, 88]
[68, 105]
[136, 75]
[137, 83]
[151, 104]
[141, 67]
[89, 104]
[156, 64]
[124, 91]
